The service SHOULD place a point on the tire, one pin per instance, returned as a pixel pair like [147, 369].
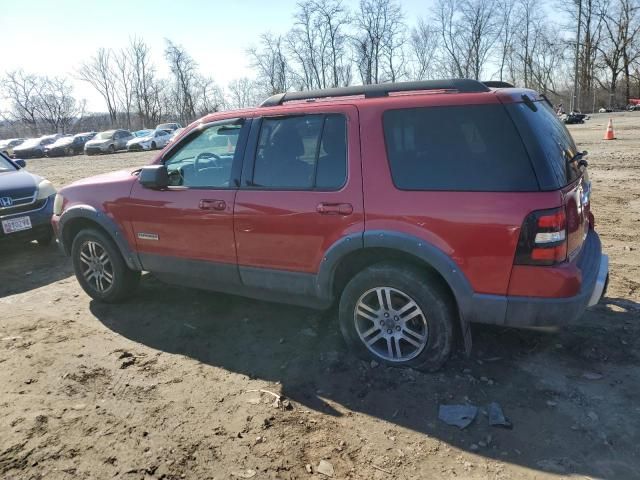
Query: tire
[424, 331]
[112, 149]
[45, 240]
[153, 145]
[91, 244]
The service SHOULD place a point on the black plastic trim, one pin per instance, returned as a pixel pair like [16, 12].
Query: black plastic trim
[111, 227]
[379, 90]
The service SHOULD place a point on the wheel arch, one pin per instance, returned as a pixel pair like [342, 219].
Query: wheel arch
[80, 217]
[346, 258]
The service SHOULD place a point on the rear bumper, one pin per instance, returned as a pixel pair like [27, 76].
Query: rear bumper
[515, 311]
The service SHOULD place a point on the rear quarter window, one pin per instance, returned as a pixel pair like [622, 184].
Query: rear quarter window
[549, 142]
[459, 148]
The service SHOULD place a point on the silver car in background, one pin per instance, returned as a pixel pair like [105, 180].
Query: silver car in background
[151, 141]
[108, 142]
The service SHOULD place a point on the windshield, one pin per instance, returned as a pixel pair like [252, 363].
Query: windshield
[104, 135]
[6, 165]
[165, 126]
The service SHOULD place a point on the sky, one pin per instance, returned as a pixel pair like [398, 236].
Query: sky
[54, 37]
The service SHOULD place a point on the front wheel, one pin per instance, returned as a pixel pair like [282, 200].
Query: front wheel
[112, 149]
[100, 268]
[153, 145]
[398, 315]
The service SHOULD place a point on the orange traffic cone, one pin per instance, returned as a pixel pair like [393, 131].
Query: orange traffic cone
[609, 135]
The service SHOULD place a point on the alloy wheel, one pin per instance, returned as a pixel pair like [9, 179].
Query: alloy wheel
[391, 324]
[97, 268]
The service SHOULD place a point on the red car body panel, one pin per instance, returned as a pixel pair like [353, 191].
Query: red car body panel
[284, 229]
[184, 230]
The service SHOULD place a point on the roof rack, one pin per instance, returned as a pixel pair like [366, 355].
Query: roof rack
[497, 84]
[378, 90]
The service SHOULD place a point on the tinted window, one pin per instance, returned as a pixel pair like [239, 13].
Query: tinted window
[553, 140]
[464, 148]
[302, 152]
[206, 159]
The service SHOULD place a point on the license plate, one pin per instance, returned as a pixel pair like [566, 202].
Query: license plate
[16, 225]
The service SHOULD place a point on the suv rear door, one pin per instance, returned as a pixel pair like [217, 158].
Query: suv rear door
[301, 193]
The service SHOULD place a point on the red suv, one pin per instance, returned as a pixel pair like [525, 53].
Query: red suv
[417, 207]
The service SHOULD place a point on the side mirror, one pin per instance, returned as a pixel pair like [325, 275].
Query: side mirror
[155, 177]
[20, 163]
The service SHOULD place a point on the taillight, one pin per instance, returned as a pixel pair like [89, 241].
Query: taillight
[543, 238]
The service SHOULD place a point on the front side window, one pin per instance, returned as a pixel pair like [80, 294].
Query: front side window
[457, 148]
[306, 152]
[205, 160]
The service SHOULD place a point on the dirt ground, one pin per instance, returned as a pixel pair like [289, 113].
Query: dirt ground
[168, 385]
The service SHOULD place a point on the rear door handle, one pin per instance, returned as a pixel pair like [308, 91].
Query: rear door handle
[334, 208]
[207, 204]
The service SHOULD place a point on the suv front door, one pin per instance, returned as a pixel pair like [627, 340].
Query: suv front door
[186, 231]
[301, 193]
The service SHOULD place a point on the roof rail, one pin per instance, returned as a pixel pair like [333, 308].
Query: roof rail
[497, 84]
[378, 90]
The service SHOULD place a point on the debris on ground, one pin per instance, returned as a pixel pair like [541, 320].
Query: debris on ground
[248, 473]
[460, 416]
[325, 468]
[496, 416]
[592, 376]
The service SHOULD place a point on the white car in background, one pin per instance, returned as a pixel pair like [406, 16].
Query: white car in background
[175, 134]
[155, 139]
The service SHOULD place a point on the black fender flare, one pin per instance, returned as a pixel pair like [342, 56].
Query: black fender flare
[433, 256]
[107, 223]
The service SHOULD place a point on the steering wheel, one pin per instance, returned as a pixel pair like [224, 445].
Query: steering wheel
[203, 156]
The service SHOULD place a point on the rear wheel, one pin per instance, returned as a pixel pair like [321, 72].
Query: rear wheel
[100, 268]
[112, 149]
[398, 315]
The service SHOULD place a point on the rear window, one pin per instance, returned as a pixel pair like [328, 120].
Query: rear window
[462, 148]
[555, 144]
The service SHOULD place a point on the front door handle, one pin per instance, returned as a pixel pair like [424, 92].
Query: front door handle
[207, 204]
[334, 208]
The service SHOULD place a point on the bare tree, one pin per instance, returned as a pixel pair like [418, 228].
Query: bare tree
[336, 19]
[317, 44]
[125, 83]
[423, 46]
[242, 93]
[98, 72]
[271, 64]
[145, 85]
[184, 70]
[468, 30]
[618, 48]
[509, 27]
[21, 91]
[378, 40]
[56, 105]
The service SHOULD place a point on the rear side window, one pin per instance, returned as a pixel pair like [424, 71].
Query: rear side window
[462, 148]
[553, 142]
[302, 152]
